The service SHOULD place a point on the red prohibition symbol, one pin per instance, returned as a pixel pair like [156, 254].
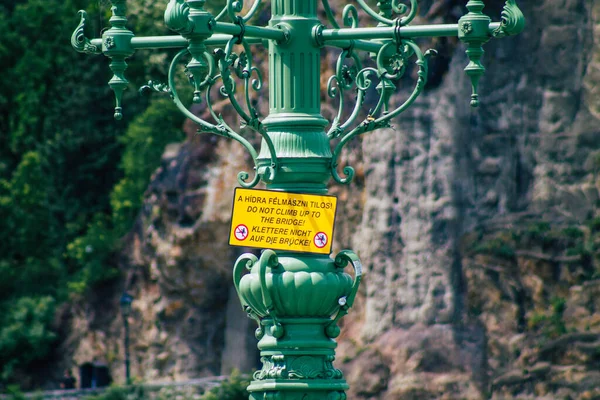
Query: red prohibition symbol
[320, 240]
[241, 232]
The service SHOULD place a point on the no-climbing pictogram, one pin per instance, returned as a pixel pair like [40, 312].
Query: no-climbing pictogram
[241, 232]
[320, 240]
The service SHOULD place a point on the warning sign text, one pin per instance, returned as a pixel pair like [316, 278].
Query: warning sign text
[282, 221]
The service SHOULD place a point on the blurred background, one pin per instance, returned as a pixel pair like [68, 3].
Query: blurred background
[479, 229]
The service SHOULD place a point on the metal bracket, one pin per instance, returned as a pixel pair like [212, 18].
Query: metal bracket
[345, 302]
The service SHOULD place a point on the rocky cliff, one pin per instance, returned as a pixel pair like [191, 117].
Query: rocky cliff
[479, 231]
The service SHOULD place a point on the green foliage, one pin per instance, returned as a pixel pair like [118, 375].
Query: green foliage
[580, 240]
[121, 393]
[498, 246]
[234, 388]
[14, 392]
[144, 142]
[71, 178]
[572, 232]
[93, 253]
[595, 225]
[24, 333]
[551, 323]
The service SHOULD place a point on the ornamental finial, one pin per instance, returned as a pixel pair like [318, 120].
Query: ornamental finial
[116, 44]
[474, 30]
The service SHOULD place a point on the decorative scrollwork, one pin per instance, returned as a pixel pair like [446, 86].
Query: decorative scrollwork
[390, 66]
[341, 261]
[329, 14]
[350, 16]
[176, 17]
[242, 68]
[330, 371]
[274, 367]
[157, 87]
[269, 259]
[343, 80]
[234, 7]
[245, 262]
[385, 16]
[204, 77]
[512, 20]
[220, 128]
[306, 367]
[78, 39]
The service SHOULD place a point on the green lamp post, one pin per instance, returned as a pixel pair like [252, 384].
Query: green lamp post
[296, 296]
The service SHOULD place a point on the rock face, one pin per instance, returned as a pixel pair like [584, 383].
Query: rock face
[479, 231]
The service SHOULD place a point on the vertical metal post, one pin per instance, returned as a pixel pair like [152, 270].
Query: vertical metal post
[295, 124]
[127, 371]
[300, 291]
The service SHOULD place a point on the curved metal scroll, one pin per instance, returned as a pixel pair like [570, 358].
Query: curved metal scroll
[384, 17]
[268, 259]
[220, 129]
[512, 20]
[245, 262]
[235, 7]
[243, 69]
[389, 69]
[341, 261]
[78, 39]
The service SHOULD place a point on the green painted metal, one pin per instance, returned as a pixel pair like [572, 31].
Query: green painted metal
[296, 299]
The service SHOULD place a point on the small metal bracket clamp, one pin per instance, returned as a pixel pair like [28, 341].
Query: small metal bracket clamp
[317, 35]
[350, 49]
[240, 22]
[397, 34]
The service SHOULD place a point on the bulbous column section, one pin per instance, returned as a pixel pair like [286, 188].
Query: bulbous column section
[297, 301]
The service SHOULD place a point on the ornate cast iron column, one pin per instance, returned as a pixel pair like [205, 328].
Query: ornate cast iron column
[296, 298]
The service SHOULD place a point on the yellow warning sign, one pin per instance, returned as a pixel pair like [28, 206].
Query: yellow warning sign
[282, 221]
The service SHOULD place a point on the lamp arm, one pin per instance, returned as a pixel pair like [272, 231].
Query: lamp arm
[262, 32]
[405, 32]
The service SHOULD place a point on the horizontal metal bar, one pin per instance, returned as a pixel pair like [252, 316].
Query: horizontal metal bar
[159, 42]
[494, 26]
[372, 47]
[357, 33]
[175, 42]
[250, 31]
[340, 38]
[388, 32]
